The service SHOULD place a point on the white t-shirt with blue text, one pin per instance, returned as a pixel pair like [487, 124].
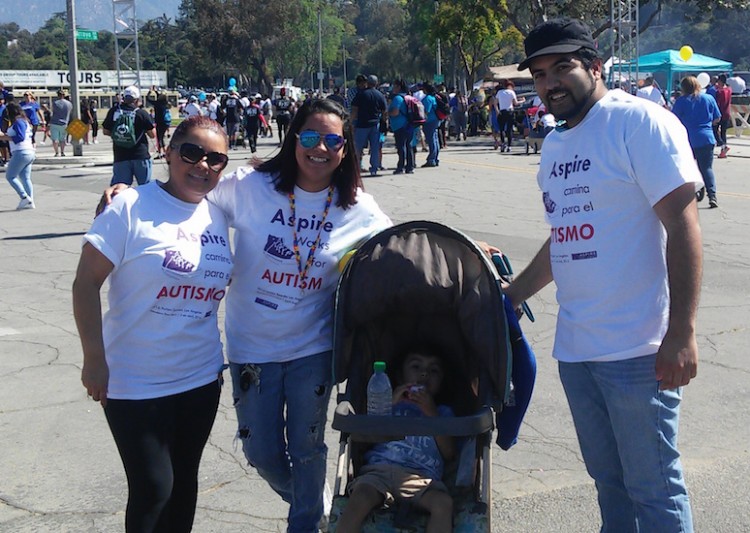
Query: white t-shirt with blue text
[600, 181]
[273, 315]
[172, 263]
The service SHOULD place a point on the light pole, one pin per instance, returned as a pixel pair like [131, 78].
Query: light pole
[343, 53]
[438, 67]
[320, 50]
[73, 65]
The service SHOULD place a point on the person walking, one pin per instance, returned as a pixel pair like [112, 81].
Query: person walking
[34, 113]
[61, 113]
[430, 126]
[367, 108]
[94, 110]
[130, 128]
[699, 112]
[18, 170]
[154, 360]
[403, 131]
[618, 182]
[723, 99]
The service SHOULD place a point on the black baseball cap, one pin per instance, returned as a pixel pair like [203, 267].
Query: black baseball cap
[556, 36]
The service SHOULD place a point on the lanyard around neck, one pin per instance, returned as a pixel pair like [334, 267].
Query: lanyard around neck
[314, 247]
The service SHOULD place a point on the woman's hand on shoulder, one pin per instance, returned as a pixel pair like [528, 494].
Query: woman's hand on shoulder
[109, 193]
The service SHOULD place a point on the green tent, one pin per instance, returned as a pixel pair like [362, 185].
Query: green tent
[670, 62]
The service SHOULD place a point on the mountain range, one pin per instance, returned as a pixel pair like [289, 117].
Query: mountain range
[90, 14]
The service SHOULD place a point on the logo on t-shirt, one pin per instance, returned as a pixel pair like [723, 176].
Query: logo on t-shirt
[549, 204]
[174, 262]
[275, 247]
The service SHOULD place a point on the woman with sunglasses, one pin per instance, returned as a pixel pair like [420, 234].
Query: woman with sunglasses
[154, 360]
[295, 216]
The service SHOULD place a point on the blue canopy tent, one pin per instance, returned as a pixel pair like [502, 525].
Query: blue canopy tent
[670, 62]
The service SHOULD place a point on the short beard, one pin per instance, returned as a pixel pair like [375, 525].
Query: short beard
[579, 105]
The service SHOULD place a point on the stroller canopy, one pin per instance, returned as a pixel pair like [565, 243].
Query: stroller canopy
[422, 282]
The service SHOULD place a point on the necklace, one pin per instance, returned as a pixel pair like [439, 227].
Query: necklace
[314, 247]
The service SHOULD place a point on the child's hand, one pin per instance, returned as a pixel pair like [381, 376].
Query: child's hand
[418, 395]
[401, 393]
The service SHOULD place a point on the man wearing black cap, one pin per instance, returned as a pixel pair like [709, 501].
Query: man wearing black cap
[618, 183]
[367, 108]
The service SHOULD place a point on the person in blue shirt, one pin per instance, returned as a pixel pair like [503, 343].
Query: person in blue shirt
[412, 468]
[698, 113]
[431, 126]
[403, 131]
[33, 112]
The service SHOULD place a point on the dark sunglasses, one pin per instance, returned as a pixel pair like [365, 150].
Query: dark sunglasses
[311, 139]
[194, 154]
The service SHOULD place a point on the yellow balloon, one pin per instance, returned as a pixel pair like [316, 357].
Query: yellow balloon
[686, 52]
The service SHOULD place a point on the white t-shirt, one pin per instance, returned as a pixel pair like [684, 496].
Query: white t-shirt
[505, 99]
[599, 182]
[213, 108]
[737, 84]
[271, 315]
[651, 93]
[548, 120]
[21, 128]
[172, 264]
[193, 109]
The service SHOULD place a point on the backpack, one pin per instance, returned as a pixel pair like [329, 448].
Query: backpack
[443, 109]
[415, 114]
[123, 130]
[167, 117]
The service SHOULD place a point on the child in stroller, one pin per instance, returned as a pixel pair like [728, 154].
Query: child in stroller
[424, 284]
[543, 124]
[412, 468]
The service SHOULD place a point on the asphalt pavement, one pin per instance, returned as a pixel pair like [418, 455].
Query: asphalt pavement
[60, 471]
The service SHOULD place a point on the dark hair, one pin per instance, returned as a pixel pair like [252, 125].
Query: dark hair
[346, 178]
[428, 88]
[401, 83]
[195, 122]
[587, 56]
[723, 78]
[14, 110]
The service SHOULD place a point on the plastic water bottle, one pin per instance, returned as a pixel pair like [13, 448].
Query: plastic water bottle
[379, 392]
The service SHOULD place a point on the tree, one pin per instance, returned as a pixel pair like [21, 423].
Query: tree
[476, 31]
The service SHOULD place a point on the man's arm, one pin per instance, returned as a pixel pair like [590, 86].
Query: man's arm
[677, 359]
[533, 278]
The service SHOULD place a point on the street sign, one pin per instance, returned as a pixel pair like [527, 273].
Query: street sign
[77, 129]
[438, 78]
[87, 35]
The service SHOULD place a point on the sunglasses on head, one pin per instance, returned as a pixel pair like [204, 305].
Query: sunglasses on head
[311, 139]
[194, 154]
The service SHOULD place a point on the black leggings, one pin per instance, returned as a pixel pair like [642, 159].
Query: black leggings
[505, 121]
[160, 442]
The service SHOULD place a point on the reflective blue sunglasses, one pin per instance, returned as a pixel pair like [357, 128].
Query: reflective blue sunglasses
[311, 139]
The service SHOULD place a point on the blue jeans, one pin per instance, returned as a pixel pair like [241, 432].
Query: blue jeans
[123, 171]
[371, 135]
[403, 139]
[704, 156]
[627, 430]
[18, 173]
[289, 453]
[431, 138]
